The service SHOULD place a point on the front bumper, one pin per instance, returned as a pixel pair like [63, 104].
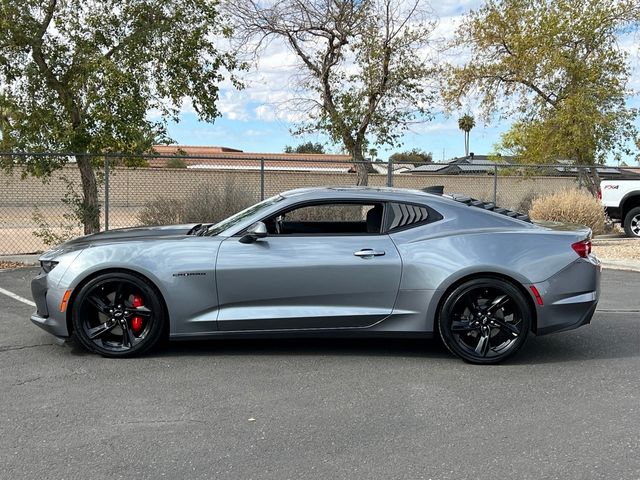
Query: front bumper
[47, 298]
[570, 297]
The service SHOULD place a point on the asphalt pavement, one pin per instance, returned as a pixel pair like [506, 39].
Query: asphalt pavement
[566, 407]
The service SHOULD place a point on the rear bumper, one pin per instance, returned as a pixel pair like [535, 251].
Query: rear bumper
[570, 297]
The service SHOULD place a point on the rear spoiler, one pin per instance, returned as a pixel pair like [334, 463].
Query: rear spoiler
[474, 202]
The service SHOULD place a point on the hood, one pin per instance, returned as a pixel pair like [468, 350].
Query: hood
[136, 233]
[122, 235]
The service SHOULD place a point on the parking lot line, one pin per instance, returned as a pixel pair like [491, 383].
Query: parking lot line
[16, 297]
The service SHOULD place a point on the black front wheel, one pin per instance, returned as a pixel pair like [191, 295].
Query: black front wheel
[118, 315]
[484, 320]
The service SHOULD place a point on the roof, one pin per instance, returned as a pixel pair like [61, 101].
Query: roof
[461, 165]
[192, 149]
[228, 159]
[487, 164]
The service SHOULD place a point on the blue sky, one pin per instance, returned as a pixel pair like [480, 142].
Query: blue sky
[260, 119]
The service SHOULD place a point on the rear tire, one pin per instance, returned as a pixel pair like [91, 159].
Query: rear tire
[118, 314]
[632, 223]
[484, 320]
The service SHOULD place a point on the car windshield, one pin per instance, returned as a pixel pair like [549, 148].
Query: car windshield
[240, 216]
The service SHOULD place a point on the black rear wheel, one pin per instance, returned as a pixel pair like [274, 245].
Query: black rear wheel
[632, 223]
[118, 315]
[484, 320]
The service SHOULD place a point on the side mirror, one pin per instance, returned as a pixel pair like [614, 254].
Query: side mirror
[254, 232]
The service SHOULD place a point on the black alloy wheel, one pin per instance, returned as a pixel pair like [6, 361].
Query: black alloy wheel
[485, 320]
[118, 315]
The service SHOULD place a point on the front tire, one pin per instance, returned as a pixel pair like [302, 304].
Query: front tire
[118, 314]
[484, 320]
[632, 223]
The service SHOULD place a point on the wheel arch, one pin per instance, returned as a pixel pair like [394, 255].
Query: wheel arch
[628, 202]
[451, 286]
[96, 273]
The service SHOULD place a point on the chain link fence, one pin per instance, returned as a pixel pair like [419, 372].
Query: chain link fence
[36, 212]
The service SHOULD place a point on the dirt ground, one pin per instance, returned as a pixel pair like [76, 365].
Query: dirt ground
[8, 265]
[617, 249]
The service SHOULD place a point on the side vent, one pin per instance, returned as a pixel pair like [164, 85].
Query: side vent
[404, 214]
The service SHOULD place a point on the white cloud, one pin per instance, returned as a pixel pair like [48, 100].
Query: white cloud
[232, 105]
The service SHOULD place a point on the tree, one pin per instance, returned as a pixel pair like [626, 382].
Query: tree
[175, 163]
[308, 147]
[363, 62]
[466, 123]
[558, 66]
[85, 77]
[412, 156]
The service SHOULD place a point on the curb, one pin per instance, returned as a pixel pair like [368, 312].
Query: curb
[626, 265]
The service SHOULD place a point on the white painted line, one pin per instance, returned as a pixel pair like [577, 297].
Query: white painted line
[16, 297]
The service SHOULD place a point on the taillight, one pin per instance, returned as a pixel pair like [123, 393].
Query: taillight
[599, 193]
[583, 248]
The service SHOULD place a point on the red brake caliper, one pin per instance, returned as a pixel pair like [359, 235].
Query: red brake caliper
[136, 322]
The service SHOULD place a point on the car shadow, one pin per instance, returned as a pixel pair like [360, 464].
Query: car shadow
[603, 340]
[379, 347]
[587, 344]
[582, 345]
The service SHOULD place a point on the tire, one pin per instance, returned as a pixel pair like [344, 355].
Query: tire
[484, 320]
[632, 223]
[118, 314]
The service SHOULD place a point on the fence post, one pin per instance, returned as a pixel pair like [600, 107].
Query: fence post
[390, 172]
[106, 192]
[261, 179]
[495, 184]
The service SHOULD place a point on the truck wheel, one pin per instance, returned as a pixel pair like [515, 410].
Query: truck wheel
[632, 223]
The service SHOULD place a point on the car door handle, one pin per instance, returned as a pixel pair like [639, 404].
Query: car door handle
[368, 253]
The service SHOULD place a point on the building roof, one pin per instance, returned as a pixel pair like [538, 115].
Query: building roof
[192, 149]
[224, 158]
[464, 165]
[487, 163]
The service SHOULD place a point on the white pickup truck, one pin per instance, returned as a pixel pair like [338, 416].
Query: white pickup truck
[621, 200]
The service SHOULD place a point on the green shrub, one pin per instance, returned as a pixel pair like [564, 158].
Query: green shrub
[175, 163]
[572, 206]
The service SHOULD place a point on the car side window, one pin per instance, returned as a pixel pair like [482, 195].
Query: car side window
[338, 218]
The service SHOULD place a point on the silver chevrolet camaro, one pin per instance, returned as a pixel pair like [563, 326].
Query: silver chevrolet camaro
[326, 262]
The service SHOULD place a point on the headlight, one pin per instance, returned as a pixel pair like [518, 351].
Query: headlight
[48, 265]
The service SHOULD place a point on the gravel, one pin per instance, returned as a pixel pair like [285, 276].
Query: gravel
[6, 265]
[617, 249]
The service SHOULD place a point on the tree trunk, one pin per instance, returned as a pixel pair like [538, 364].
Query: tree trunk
[362, 168]
[590, 179]
[466, 144]
[89, 210]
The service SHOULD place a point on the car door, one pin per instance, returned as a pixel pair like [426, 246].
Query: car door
[310, 281]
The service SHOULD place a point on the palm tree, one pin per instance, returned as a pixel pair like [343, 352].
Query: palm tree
[466, 123]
